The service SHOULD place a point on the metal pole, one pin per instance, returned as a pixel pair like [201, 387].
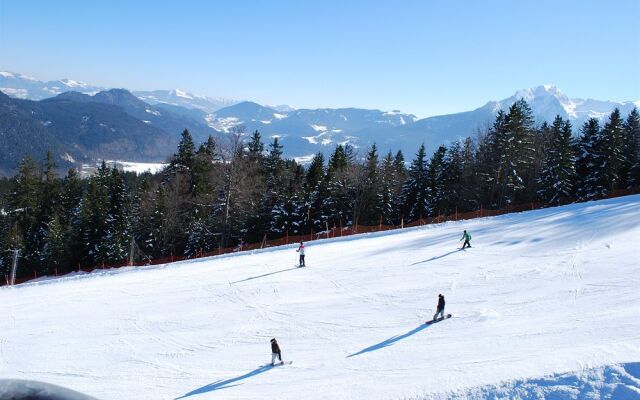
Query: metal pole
[14, 266]
[131, 250]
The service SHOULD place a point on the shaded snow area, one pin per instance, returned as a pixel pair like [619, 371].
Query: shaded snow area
[545, 305]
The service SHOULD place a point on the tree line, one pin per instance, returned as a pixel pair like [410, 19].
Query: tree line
[235, 190]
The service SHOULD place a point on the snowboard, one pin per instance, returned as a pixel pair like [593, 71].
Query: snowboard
[281, 363]
[433, 321]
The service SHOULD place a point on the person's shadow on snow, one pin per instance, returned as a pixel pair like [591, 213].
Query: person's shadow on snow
[437, 257]
[227, 383]
[390, 341]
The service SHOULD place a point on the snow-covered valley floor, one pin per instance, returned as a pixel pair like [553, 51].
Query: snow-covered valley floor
[543, 301]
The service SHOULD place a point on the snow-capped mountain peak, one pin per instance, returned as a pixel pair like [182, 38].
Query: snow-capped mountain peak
[73, 84]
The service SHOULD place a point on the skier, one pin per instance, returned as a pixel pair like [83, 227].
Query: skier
[275, 352]
[301, 251]
[467, 238]
[440, 309]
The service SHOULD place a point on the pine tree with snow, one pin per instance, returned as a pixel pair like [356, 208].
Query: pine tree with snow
[256, 146]
[415, 191]
[514, 142]
[156, 240]
[612, 152]
[587, 171]
[369, 189]
[631, 168]
[183, 160]
[601, 157]
[558, 173]
[337, 204]
[436, 182]
[385, 205]
[55, 251]
[94, 211]
[452, 178]
[119, 230]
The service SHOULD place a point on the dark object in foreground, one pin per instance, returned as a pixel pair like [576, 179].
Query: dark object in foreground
[16, 389]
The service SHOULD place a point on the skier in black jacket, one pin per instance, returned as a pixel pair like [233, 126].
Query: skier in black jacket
[275, 352]
[440, 309]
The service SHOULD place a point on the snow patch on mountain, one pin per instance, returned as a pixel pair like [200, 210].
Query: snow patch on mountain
[17, 93]
[304, 160]
[224, 124]
[73, 84]
[319, 128]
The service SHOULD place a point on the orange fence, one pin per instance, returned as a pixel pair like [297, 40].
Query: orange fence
[339, 232]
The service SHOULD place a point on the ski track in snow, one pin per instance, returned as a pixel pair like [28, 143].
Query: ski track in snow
[545, 305]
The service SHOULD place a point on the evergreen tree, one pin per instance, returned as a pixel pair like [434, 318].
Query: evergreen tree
[94, 211]
[436, 182]
[203, 167]
[255, 146]
[368, 207]
[631, 169]
[118, 233]
[24, 211]
[415, 191]
[453, 169]
[184, 159]
[601, 157]
[589, 175]
[612, 150]
[385, 205]
[558, 174]
[315, 173]
[514, 141]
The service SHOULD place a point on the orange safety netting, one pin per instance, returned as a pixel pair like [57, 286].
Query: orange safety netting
[337, 232]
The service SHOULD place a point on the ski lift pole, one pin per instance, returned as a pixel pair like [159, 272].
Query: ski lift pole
[14, 267]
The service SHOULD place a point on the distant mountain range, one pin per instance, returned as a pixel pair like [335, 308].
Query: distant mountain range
[82, 123]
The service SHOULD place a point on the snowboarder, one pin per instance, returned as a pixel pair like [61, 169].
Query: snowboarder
[440, 309]
[275, 352]
[301, 251]
[467, 237]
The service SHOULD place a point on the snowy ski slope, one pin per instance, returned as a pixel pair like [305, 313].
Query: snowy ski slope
[543, 299]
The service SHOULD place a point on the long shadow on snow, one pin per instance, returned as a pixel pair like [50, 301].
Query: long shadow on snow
[390, 341]
[437, 257]
[223, 384]
[263, 275]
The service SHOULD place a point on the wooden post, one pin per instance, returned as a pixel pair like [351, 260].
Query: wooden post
[402, 223]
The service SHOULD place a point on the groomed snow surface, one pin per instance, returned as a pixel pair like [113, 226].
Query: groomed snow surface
[545, 305]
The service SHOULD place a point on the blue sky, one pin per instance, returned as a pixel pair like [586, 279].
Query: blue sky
[423, 57]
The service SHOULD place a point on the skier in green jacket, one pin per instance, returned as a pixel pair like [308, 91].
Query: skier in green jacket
[467, 238]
